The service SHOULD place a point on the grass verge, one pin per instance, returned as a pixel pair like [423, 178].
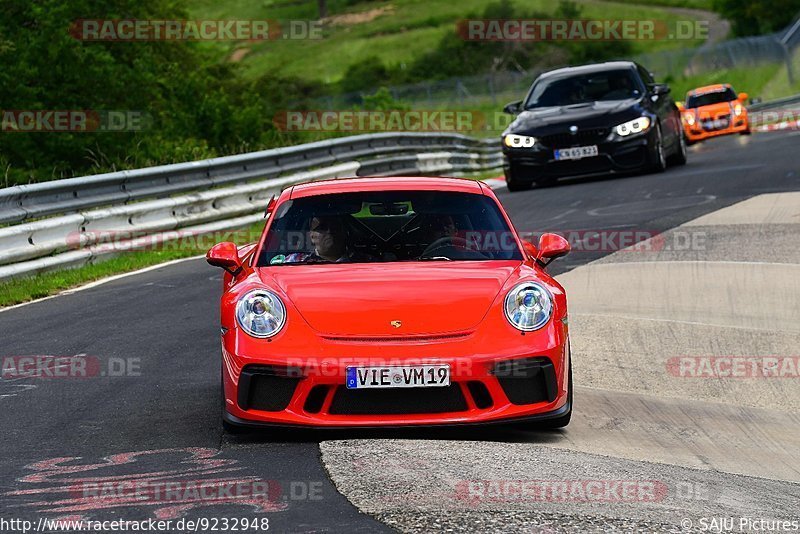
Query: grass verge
[397, 31]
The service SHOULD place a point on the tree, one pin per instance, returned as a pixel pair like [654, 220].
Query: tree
[757, 17]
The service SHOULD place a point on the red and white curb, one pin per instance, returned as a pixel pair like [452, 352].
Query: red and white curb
[785, 125]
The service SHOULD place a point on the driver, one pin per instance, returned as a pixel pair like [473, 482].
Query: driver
[619, 87]
[328, 236]
[440, 226]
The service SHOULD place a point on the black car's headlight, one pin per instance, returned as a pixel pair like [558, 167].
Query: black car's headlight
[633, 127]
[528, 306]
[260, 313]
[518, 141]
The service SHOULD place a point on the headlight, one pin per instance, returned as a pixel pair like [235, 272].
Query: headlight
[689, 118]
[528, 306]
[633, 127]
[737, 109]
[260, 313]
[519, 141]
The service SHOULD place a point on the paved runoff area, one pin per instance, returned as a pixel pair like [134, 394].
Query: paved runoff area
[687, 405]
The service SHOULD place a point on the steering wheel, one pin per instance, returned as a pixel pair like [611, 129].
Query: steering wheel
[452, 242]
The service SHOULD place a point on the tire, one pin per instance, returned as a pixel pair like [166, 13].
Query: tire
[679, 157]
[514, 185]
[658, 160]
[545, 182]
[745, 132]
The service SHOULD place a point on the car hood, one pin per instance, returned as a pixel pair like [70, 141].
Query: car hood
[365, 299]
[542, 121]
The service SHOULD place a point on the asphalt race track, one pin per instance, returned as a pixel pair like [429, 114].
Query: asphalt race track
[149, 407]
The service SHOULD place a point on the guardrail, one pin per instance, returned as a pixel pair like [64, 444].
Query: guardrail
[206, 196]
[775, 104]
[22, 202]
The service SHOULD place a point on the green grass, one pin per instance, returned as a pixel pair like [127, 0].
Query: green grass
[25, 289]
[404, 31]
[778, 86]
[749, 80]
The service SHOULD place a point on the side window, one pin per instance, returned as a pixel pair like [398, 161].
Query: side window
[646, 78]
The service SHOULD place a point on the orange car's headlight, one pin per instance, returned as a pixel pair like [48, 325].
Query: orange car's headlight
[738, 109]
[689, 118]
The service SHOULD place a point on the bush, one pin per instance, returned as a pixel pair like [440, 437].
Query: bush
[198, 107]
[756, 17]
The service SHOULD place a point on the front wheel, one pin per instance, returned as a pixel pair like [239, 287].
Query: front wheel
[516, 185]
[658, 160]
[679, 158]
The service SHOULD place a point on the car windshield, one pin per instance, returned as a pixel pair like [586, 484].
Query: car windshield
[388, 226]
[707, 99]
[583, 88]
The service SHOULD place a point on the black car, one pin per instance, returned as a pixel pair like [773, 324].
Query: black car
[589, 120]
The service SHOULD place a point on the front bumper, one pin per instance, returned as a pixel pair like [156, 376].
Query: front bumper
[536, 418]
[511, 384]
[697, 132]
[615, 155]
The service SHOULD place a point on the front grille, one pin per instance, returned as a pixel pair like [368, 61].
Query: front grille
[575, 167]
[589, 136]
[527, 381]
[316, 398]
[267, 388]
[398, 401]
[480, 394]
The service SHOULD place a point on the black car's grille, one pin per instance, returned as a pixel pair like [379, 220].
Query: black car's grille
[527, 381]
[398, 401]
[587, 136]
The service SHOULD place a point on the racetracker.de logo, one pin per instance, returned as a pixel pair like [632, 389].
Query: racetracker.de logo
[77, 366]
[72, 120]
[134, 30]
[379, 121]
[588, 490]
[734, 366]
[534, 30]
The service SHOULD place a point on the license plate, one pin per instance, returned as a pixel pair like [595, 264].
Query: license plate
[716, 124]
[577, 152]
[413, 376]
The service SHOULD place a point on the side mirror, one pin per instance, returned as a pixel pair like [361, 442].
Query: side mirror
[530, 250]
[743, 97]
[225, 255]
[680, 105]
[660, 89]
[552, 246]
[513, 107]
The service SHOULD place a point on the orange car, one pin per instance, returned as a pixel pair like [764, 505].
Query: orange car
[714, 110]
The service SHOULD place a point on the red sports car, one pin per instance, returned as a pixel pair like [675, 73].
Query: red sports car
[392, 302]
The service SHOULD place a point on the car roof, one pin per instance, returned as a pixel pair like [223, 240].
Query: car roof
[713, 88]
[593, 67]
[386, 183]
